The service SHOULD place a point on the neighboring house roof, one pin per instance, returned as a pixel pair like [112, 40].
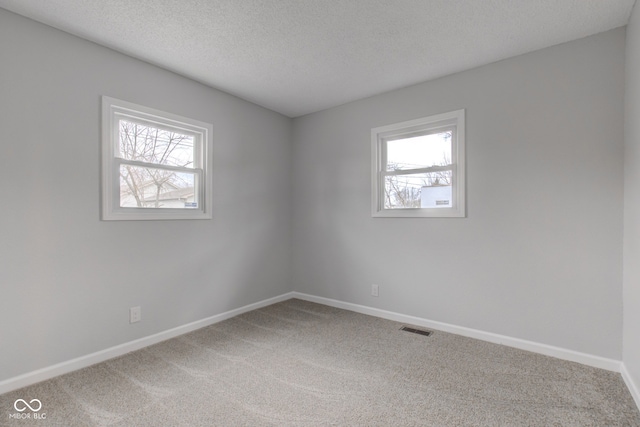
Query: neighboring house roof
[145, 188]
[178, 194]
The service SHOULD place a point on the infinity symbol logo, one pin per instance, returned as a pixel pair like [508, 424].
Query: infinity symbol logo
[26, 405]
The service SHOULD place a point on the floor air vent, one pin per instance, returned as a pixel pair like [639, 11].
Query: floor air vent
[416, 331]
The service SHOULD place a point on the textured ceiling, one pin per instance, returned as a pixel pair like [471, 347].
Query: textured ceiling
[302, 56]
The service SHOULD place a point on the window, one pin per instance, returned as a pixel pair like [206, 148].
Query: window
[418, 168]
[155, 165]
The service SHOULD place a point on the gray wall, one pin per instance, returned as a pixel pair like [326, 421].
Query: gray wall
[67, 279]
[539, 256]
[631, 342]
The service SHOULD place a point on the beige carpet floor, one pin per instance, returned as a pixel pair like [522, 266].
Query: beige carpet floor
[302, 364]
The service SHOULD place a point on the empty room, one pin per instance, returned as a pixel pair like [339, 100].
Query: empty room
[320, 213]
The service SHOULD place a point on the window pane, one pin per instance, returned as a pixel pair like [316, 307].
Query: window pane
[422, 190]
[157, 188]
[419, 151]
[154, 145]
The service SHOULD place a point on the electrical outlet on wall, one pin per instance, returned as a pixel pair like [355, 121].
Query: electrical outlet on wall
[135, 314]
[374, 290]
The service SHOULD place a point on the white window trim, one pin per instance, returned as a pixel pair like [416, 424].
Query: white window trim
[112, 109]
[378, 152]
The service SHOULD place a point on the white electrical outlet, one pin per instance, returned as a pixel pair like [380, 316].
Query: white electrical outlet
[135, 314]
[374, 290]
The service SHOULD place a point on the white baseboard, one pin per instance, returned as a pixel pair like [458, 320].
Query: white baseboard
[119, 350]
[109, 353]
[634, 388]
[560, 353]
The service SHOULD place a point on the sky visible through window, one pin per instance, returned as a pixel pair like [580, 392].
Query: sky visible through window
[154, 145]
[419, 152]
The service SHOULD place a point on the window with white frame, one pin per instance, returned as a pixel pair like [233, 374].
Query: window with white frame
[418, 167]
[155, 165]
